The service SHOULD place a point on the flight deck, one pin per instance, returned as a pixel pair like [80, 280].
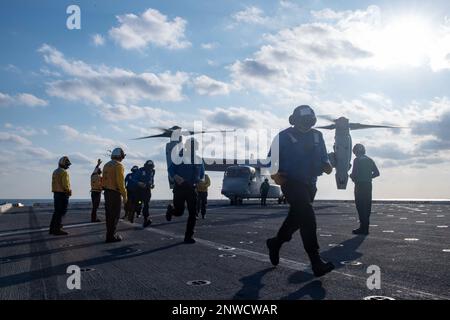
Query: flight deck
[409, 242]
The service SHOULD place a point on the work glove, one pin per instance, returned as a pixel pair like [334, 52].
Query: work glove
[327, 168]
[179, 180]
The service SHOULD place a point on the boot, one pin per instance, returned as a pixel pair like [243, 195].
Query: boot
[361, 231]
[59, 232]
[189, 240]
[147, 222]
[320, 267]
[115, 238]
[169, 212]
[274, 250]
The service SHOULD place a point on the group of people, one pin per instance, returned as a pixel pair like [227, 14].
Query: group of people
[134, 191]
[302, 158]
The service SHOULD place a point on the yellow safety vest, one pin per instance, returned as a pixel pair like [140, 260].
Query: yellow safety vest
[113, 177]
[96, 183]
[203, 186]
[60, 181]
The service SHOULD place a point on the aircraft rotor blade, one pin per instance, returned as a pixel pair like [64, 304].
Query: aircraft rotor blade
[162, 135]
[330, 127]
[216, 131]
[359, 126]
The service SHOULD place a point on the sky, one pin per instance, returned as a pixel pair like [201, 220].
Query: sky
[136, 65]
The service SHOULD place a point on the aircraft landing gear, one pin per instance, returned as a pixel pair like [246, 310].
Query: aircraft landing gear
[236, 201]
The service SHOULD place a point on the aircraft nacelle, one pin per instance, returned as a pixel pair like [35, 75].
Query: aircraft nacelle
[341, 180]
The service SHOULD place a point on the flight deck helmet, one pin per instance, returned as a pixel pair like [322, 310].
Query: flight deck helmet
[64, 162]
[359, 149]
[303, 117]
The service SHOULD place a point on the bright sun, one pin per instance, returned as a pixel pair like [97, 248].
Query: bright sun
[404, 41]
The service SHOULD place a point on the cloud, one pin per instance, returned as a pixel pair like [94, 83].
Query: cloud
[21, 99]
[102, 85]
[250, 15]
[121, 112]
[88, 138]
[209, 45]
[434, 127]
[205, 85]
[26, 131]
[239, 117]
[12, 68]
[38, 152]
[151, 27]
[296, 56]
[6, 137]
[97, 40]
[359, 40]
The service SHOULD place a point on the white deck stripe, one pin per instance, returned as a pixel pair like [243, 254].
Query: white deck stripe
[290, 264]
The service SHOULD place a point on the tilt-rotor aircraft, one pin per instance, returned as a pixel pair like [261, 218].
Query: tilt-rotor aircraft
[342, 155]
[242, 177]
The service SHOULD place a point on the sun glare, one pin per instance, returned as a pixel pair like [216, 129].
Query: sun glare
[405, 40]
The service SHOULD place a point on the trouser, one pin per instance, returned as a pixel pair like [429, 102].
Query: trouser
[132, 204]
[113, 206]
[182, 194]
[146, 195]
[202, 202]
[363, 201]
[301, 216]
[95, 197]
[263, 198]
[61, 202]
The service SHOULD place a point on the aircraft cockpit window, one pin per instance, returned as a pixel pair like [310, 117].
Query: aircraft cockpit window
[237, 172]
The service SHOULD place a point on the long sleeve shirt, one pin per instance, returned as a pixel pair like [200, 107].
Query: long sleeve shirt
[61, 181]
[300, 156]
[113, 177]
[364, 169]
[203, 185]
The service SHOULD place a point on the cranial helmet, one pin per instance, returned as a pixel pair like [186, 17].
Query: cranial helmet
[118, 153]
[359, 149]
[303, 117]
[149, 165]
[134, 169]
[64, 162]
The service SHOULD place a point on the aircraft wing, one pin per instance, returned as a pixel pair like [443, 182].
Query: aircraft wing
[222, 164]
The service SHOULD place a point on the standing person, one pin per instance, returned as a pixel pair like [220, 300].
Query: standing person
[61, 194]
[202, 194]
[302, 158]
[96, 190]
[186, 175]
[114, 186]
[364, 170]
[146, 183]
[264, 191]
[131, 181]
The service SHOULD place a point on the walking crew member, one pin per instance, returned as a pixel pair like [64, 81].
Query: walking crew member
[364, 170]
[202, 194]
[146, 178]
[302, 157]
[186, 176]
[96, 190]
[114, 186]
[264, 190]
[61, 193]
[131, 184]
